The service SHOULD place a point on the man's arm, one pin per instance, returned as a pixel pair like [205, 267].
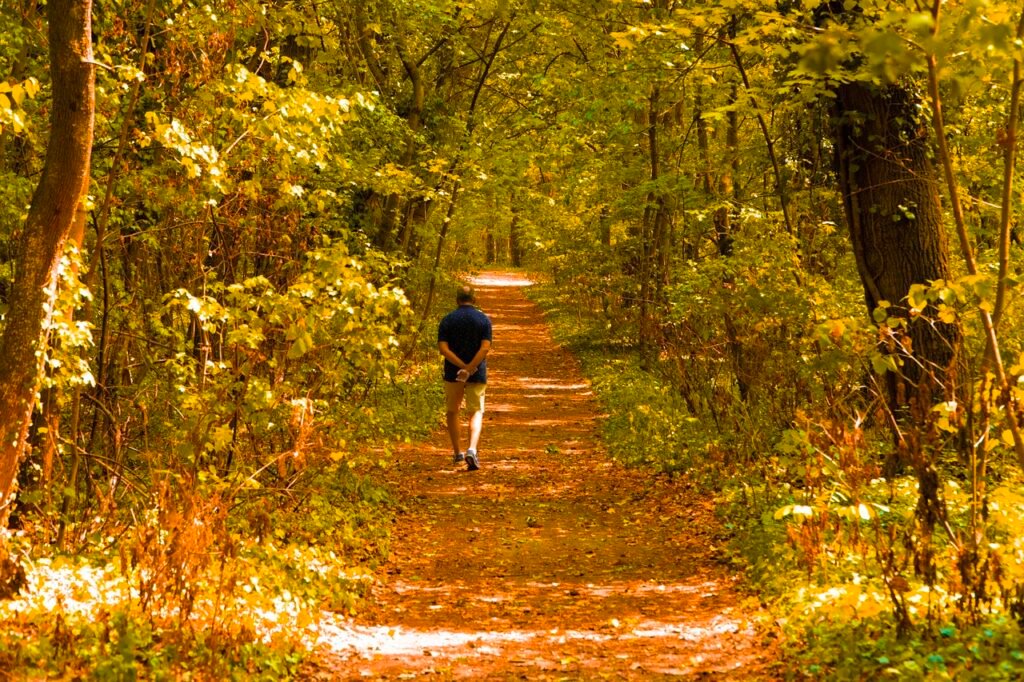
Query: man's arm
[470, 368]
[450, 355]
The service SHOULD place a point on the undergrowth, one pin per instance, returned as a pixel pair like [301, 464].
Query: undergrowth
[814, 523]
[219, 578]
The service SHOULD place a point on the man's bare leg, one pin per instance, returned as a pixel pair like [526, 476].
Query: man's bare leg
[453, 429]
[454, 394]
[476, 423]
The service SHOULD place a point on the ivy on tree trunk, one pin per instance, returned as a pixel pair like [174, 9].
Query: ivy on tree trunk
[61, 189]
[889, 189]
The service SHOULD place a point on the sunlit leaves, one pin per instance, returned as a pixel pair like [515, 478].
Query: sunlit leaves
[12, 100]
[794, 509]
[948, 416]
[297, 125]
[331, 315]
[67, 336]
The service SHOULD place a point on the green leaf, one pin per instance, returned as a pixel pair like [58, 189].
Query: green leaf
[918, 297]
[303, 344]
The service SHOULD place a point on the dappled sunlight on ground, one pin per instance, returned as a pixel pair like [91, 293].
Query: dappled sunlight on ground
[371, 641]
[536, 385]
[500, 279]
[70, 587]
[543, 396]
[550, 560]
[504, 407]
[74, 593]
[375, 641]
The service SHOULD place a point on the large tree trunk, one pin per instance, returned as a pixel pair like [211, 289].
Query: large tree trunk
[890, 195]
[61, 188]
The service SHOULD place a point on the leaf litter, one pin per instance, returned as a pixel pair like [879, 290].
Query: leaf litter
[551, 562]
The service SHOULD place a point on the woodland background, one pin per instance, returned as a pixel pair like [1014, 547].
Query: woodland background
[783, 236]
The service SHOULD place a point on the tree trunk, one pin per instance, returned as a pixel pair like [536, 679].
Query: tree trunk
[650, 226]
[51, 216]
[726, 186]
[515, 242]
[890, 196]
[454, 168]
[491, 247]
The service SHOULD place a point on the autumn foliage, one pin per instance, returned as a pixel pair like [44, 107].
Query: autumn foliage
[781, 236]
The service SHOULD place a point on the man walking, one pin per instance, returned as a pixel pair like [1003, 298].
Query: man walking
[464, 339]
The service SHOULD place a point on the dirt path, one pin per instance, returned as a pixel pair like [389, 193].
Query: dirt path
[551, 562]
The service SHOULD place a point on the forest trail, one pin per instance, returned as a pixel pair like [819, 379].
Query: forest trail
[552, 561]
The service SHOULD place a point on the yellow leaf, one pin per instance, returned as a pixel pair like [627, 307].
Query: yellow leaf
[622, 40]
[917, 298]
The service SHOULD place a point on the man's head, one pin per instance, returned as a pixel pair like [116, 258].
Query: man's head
[465, 295]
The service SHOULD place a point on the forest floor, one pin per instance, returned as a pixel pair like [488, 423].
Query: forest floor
[552, 561]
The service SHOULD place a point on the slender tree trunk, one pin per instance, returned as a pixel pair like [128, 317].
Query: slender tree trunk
[442, 235]
[650, 234]
[61, 188]
[417, 213]
[993, 356]
[491, 248]
[890, 195]
[721, 192]
[415, 121]
[605, 224]
[726, 186]
[515, 243]
[455, 165]
[777, 167]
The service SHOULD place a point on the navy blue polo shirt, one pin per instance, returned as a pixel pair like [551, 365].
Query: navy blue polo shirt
[464, 329]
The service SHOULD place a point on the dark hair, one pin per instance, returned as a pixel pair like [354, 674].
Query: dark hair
[465, 295]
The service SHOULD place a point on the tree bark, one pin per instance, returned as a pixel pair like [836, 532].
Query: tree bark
[454, 167]
[890, 196]
[383, 237]
[515, 241]
[726, 186]
[652, 226]
[491, 248]
[51, 216]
